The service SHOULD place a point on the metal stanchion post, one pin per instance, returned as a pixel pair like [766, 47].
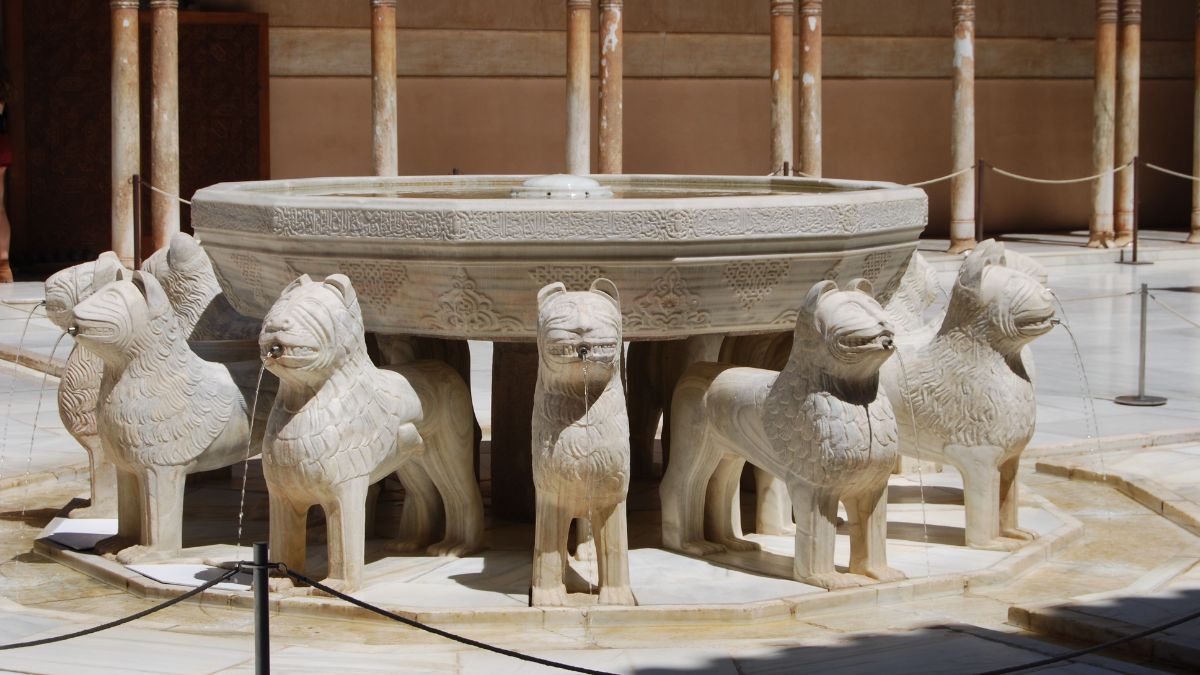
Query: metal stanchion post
[137, 221]
[1141, 399]
[262, 634]
[1137, 207]
[980, 167]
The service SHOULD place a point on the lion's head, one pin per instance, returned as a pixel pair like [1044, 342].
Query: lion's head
[67, 288]
[845, 335]
[997, 303]
[116, 319]
[186, 273]
[312, 330]
[578, 330]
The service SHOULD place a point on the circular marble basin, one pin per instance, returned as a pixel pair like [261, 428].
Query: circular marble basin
[459, 257]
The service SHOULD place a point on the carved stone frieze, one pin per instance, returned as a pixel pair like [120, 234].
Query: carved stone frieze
[465, 307]
[752, 281]
[668, 304]
[575, 277]
[380, 282]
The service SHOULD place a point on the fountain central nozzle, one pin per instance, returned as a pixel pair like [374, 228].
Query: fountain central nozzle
[562, 186]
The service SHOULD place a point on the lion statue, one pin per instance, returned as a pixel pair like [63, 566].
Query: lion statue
[821, 424]
[162, 411]
[79, 387]
[340, 424]
[965, 398]
[580, 440]
[908, 307]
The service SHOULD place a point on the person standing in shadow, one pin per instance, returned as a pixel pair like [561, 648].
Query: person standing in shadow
[6, 275]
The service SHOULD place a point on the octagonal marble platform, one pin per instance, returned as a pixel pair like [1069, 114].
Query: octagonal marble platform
[925, 542]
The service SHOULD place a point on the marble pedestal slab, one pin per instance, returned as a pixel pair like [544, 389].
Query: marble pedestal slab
[456, 257]
[491, 588]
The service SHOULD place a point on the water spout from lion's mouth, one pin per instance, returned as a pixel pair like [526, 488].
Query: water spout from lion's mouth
[72, 330]
[275, 351]
[583, 352]
[887, 343]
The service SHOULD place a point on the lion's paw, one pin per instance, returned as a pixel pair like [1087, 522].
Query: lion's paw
[740, 545]
[1018, 533]
[701, 547]
[884, 573]
[555, 596]
[404, 546]
[617, 595]
[833, 581]
[451, 548]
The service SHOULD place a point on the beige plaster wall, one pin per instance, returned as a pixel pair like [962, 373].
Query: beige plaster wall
[481, 91]
[893, 129]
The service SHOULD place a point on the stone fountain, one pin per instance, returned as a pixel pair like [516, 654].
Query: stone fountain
[463, 257]
[418, 261]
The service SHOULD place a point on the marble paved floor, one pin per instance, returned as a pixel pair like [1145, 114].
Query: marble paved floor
[1122, 542]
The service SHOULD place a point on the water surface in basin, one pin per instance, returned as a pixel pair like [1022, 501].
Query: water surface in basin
[639, 193]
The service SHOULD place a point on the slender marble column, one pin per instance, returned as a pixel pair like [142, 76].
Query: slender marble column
[384, 147]
[1194, 237]
[126, 141]
[962, 139]
[612, 65]
[579, 89]
[1129, 75]
[783, 14]
[164, 120]
[1103, 104]
[810, 87]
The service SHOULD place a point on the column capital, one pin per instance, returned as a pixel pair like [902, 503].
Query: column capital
[1131, 11]
[783, 7]
[964, 11]
[612, 4]
[810, 7]
[164, 4]
[579, 4]
[123, 4]
[1106, 11]
[383, 3]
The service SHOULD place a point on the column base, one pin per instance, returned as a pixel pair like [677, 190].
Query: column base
[1101, 240]
[1193, 238]
[961, 245]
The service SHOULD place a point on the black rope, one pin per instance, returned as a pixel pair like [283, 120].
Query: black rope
[437, 631]
[133, 617]
[1095, 648]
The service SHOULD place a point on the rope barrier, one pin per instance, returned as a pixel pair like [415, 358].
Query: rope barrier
[1085, 298]
[1174, 311]
[1059, 181]
[132, 617]
[436, 631]
[942, 178]
[145, 183]
[1095, 648]
[1170, 172]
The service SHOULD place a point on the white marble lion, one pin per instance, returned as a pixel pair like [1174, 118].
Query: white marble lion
[580, 439]
[822, 425]
[340, 424]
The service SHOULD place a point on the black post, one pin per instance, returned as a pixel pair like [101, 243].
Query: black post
[980, 167]
[262, 635]
[787, 169]
[1137, 207]
[1141, 399]
[137, 221]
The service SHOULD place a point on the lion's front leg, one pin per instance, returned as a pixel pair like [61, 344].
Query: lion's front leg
[867, 514]
[551, 525]
[345, 517]
[612, 542]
